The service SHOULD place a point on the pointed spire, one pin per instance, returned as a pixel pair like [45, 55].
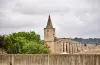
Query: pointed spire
[49, 23]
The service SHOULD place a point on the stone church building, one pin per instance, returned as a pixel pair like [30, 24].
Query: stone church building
[59, 45]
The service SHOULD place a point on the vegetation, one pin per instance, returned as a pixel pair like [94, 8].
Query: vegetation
[23, 43]
[95, 41]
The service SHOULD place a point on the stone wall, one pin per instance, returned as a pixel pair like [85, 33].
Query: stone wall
[66, 46]
[58, 59]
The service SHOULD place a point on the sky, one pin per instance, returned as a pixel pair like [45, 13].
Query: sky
[71, 18]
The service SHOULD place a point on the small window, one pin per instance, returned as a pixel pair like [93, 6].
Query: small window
[85, 45]
[47, 30]
[66, 47]
[63, 47]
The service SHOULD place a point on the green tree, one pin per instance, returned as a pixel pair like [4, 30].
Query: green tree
[1, 41]
[24, 43]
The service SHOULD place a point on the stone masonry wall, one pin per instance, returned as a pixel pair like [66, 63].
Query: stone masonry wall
[57, 59]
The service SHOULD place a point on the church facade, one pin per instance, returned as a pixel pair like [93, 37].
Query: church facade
[59, 45]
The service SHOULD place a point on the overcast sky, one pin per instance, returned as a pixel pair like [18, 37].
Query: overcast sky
[71, 18]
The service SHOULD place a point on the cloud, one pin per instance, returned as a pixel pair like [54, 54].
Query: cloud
[40, 7]
[71, 18]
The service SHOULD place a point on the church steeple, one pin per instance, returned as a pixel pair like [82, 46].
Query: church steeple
[49, 35]
[49, 23]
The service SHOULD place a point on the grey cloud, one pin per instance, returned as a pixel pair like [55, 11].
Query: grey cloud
[93, 1]
[8, 23]
[71, 18]
[35, 9]
[4, 3]
[17, 21]
[91, 19]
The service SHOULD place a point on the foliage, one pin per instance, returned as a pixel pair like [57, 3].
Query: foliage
[24, 43]
[88, 40]
[2, 41]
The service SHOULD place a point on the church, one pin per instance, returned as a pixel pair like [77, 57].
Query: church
[59, 45]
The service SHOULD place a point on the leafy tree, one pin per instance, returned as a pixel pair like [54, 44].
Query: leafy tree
[38, 48]
[24, 42]
[1, 41]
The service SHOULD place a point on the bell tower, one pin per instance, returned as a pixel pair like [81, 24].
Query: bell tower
[49, 35]
[49, 31]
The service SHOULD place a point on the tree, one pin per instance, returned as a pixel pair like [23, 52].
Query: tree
[24, 42]
[37, 49]
[1, 41]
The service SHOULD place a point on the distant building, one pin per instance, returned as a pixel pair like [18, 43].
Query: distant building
[59, 45]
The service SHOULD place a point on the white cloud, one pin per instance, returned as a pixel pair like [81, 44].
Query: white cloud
[70, 17]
